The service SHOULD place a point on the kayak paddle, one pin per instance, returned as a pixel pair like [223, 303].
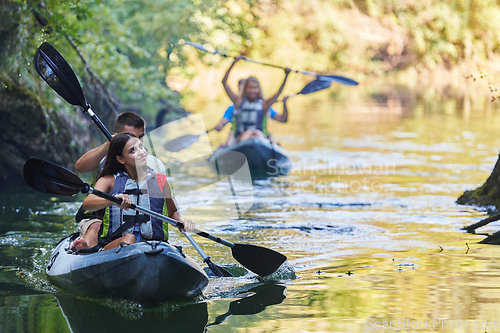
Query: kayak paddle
[56, 71]
[50, 178]
[336, 78]
[183, 142]
[313, 86]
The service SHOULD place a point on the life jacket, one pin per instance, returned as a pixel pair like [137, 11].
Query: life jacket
[86, 214]
[147, 194]
[250, 115]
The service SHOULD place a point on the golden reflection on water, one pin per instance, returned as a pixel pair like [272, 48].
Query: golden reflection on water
[367, 218]
[393, 252]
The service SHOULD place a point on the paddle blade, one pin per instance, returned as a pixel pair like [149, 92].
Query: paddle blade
[54, 69]
[260, 260]
[180, 143]
[315, 85]
[50, 178]
[339, 79]
[217, 270]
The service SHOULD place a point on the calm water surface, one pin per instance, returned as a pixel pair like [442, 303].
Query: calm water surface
[367, 219]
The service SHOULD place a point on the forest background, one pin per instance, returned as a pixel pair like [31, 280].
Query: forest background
[129, 55]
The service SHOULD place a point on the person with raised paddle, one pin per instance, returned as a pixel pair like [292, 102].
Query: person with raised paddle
[251, 108]
[124, 177]
[330, 77]
[229, 114]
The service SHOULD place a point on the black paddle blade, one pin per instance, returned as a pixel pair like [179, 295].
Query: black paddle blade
[217, 270]
[339, 79]
[315, 85]
[54, 69]
[50, 178]
[260, 260]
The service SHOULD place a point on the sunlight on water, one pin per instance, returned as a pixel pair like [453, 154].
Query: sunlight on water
[367, 219]
[284, 273]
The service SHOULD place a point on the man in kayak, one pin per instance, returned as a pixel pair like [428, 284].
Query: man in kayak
[130, 122]
[228, 116]
[251, 109]
[93, 161]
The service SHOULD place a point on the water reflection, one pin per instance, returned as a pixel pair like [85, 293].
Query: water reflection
[90, 316]
[260, 298]
[83, 315]
[329, 215]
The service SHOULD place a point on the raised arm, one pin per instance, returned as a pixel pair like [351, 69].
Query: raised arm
[91, 159]
[284, 116]
[232, 95]
[271, 100]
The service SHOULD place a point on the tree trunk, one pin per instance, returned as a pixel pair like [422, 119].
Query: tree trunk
[486, 195]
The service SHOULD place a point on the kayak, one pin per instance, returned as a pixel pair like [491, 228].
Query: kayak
[144, 272]
[265, 158]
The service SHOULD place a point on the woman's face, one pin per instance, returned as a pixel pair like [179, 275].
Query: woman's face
[252, 90]
[133, 154]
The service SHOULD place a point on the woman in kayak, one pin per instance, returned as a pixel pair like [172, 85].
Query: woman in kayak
[250, 107]
[127, 176]
[228, 116]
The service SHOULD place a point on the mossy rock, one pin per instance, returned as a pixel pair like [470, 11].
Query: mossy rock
[27, 129]
[486, 195]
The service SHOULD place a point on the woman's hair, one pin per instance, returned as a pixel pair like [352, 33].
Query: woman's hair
[252, 79]
[112, 166]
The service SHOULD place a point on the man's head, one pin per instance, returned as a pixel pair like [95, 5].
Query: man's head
[130, 122]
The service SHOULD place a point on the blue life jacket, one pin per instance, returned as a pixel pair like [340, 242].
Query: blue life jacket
[147, 194]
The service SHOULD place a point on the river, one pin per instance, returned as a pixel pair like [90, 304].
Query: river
[367, 218]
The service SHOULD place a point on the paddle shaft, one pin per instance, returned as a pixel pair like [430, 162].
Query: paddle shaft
[280, 67]
[337, 78]
[161, 217]
[201, 47]
[169, 220]
[289, 96]
[98, 122]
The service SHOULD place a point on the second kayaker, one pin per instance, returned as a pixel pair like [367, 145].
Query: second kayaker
[250, 107]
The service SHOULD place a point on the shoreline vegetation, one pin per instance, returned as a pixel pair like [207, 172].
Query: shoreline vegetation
[131, 59]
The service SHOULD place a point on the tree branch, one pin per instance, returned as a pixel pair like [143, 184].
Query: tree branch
[102, 87]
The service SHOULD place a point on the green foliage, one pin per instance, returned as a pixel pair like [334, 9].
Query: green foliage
[129, 45]
[133, 45]
[448, 32]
